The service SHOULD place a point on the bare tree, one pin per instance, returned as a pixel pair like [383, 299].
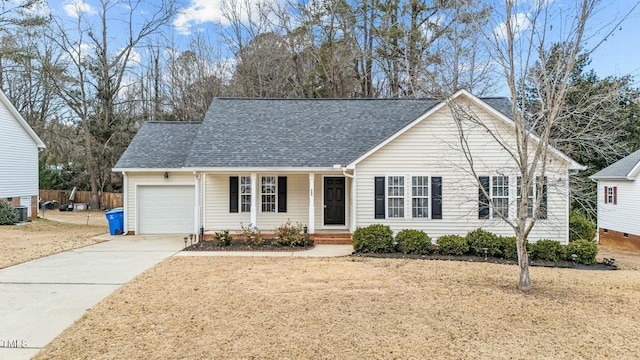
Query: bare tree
[519, 40]
[96, 74]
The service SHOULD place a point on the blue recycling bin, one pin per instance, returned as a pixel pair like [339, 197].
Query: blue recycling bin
[115, 218]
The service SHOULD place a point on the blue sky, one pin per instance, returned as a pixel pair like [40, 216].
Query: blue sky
[619, 55]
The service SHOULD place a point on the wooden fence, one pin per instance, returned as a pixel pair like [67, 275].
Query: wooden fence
[107, 200]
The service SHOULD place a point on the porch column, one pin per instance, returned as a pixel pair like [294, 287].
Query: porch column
[353, 205]
[312, 212]
[254, 200]
[196, 214]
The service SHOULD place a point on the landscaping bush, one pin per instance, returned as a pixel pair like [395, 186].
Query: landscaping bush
[547, 249]
[452, 245]
[580, 227]
[8, 215]
[584, 249]
[413, 242]
[290, 235]
[509, 248]
[375, 238]
[222, 238]
[252, 235]
[479, 239]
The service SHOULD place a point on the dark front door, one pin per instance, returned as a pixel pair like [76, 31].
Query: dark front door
[334, 201]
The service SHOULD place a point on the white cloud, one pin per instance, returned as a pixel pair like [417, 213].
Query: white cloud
[199, 12]
[75, 8]
[519, 24]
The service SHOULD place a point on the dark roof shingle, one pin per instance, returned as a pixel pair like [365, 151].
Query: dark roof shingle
[619, 169]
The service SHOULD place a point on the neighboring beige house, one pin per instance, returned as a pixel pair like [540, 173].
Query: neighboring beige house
[332, 165]
[619, 202]
[19, 147]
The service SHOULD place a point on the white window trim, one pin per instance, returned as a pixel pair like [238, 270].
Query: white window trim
[493, 197]
[609, 196]
[408, 197]
[275, 203]
[240, 193]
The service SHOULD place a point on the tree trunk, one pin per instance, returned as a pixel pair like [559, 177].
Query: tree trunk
[524, 283]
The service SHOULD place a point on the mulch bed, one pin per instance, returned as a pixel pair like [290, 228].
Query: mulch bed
[489, 259]
[242, 246]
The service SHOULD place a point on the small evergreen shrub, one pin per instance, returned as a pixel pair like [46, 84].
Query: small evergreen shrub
[413, 242]
[222, 238]
[509, 247]
[580, 227]
[8, 215]
[375, 238]
[479, 239]
[289, 234]
[585, 250]
[452, 245]
[547, 249]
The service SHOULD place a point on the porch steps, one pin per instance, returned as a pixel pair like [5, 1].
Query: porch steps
[331, 238]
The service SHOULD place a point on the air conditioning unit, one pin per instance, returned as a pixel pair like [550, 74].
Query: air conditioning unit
[23, 213]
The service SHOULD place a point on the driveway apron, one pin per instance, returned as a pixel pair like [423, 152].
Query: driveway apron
[41, 298]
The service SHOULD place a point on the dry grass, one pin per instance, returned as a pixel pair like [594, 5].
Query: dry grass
[44, 237]
[355, 308]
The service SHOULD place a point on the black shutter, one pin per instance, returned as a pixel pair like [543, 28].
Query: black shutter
[233, 194]
[436, 197]
[483, 202]
[379, 197]
[282, 194]
[542, 214]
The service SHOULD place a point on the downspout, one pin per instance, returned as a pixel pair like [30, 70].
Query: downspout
[196, 231]
[352, 205]
[125, 198]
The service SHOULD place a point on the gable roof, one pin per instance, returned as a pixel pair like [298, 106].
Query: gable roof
[285, 133]
[23, 123]
[623, 169]
[160, 145]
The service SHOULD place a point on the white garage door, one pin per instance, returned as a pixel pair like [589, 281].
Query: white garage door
[166, 209]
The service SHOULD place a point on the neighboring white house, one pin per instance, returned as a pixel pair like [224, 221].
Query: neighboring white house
[332, 165]
[19, 147]
[619, 202]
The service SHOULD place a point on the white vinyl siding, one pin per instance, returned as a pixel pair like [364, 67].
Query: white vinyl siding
[19, 158]
[433, 146]
[617, 216]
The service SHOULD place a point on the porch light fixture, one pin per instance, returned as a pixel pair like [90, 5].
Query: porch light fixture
[166, 175]
[190, 239]
[305, 229]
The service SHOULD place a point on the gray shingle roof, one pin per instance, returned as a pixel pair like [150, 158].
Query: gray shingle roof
[159, 144]
[620, 169]
[238, 133]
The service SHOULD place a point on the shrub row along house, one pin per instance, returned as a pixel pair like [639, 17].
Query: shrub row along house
[333, 165]
[19, 147]
[618, 199]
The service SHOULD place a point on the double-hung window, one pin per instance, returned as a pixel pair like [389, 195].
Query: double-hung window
[395, 197]
[419, 196]
[531, 197]
[539, 190]
[268, 193]
[611, 195]
[500, 196]
[245, 193]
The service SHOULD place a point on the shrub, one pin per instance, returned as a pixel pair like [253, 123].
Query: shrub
[509, 247]
[413, 242]
[479, 239]
[580, 227]
[251, 234]
[222, 238]
[452, 245]
[547, 249]
[586, 251]
[290, 235]
[8, 214]
[375, 238]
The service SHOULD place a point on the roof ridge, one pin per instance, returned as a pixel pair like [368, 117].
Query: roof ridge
[323, 99]
[172, 122]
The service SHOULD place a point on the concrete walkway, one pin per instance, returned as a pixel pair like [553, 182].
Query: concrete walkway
[41, 298]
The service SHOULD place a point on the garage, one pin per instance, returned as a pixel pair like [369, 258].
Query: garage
[166, 209]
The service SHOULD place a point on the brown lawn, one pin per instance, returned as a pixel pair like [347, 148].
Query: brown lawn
[43, 237]
[355, 308]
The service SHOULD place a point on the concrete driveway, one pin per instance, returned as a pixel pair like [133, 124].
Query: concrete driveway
[41, 298]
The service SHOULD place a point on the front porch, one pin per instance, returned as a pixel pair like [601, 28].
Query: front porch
[320, 201]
